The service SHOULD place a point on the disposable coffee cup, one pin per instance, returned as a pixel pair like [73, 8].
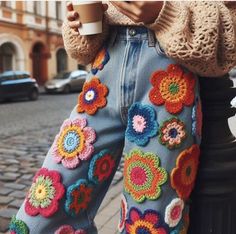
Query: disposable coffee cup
[90, 16]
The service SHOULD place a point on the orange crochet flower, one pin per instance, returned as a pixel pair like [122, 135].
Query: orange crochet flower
[92, 96]
[184, 174]
[143, 175]
[172, 87]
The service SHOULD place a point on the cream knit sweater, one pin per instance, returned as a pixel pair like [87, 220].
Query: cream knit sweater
[198, 35]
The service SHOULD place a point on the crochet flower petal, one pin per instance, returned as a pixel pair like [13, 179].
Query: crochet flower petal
[67, 229]
[45, 193]
[87, 152]
[78, 197]
[74, 142]
[123, 213]
[92, 97]
[18, 226]
[172, 133]
[100, 60]
[184, 174]
[70, 163]
[90, 134]
[101, 167]
[173, 213]
[174, 88]
[143, 176]
[148, 222]
[142, 124]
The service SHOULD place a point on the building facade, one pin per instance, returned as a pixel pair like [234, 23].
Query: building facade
[30, 38]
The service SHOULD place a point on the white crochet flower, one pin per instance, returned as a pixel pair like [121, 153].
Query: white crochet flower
[173, 212]
[233, 102]
[123, 213]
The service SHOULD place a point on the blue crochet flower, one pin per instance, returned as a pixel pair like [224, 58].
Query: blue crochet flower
[18, 226]
[78, 197]
[142, 124]
[101, 167]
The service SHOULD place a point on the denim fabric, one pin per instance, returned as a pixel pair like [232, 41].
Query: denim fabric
[134, 56]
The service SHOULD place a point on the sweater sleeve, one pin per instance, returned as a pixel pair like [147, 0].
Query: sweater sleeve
[83, 48]
[199, 35]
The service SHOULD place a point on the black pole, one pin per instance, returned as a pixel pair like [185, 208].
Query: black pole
[213, 201]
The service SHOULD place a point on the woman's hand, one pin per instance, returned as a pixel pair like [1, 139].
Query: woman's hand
[73, 16]
[140, 11]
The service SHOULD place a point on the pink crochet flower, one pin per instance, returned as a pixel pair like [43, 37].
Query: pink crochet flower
[74, 142]
[67, 229]
[45, 193]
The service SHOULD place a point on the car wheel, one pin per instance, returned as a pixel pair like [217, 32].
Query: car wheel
[66, 89]
[33, 94]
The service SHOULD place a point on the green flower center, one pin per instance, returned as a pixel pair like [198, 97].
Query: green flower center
[173, 88]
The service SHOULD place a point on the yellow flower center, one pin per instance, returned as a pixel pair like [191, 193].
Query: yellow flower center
[141, 224]
[40, 192]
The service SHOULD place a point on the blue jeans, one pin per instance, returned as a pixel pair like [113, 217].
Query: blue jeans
[136, 102]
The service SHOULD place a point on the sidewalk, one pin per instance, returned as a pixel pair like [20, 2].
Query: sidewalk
[109, 213]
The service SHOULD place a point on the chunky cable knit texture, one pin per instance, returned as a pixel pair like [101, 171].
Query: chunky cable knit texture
[198, 35]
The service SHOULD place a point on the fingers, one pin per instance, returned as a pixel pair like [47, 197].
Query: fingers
[105, 7]
[74, 25]
[127, 9]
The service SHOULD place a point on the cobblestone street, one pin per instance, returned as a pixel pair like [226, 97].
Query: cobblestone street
[25, 137]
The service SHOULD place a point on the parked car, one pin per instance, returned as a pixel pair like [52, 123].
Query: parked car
[18, 84]
[232, 73]
[65, 82]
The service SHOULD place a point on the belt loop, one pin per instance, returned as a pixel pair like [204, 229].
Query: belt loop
[113, 36]
[151, 38]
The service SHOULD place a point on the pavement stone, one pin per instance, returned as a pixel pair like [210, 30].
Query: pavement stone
[4, 225]
[16, 203]
[14, 186]
[18, 194]
[5, 191]
[5, 200]
[8, 212]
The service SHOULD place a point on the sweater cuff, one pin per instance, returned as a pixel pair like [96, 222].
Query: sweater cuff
[167, 17]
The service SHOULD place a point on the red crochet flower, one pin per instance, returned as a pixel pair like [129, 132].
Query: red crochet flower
[101, 167]
[78, 197]
[172, 87]
[45, 193]
[92, 96]
[184, 174]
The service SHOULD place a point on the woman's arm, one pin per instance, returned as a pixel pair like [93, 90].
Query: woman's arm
[81, 48]
[199, 35]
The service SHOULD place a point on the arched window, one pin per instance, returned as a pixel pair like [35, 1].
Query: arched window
[61, 60]
[7, 57]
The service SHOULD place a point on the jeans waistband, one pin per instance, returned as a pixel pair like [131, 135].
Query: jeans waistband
[131, 33]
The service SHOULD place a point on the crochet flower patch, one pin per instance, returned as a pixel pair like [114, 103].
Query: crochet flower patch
[143, 176]
[184, 174]
[101, 167]
[172, 133]
[100, 61]
[182, 227]
[173, 88]
[92, 97]
[17, 226]
[142, 124]
[45, 193]
[67, 229]
[173, 212]
[74, 142]
[149, 222]
[123, 213]
[78, 197]
[197, 119]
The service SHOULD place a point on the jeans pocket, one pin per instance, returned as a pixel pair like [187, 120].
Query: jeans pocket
[159, 49]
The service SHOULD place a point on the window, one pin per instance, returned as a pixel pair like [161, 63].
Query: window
[37, 8]
[7, 53]
[5, 3]
[58, 10]
[61, 60]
